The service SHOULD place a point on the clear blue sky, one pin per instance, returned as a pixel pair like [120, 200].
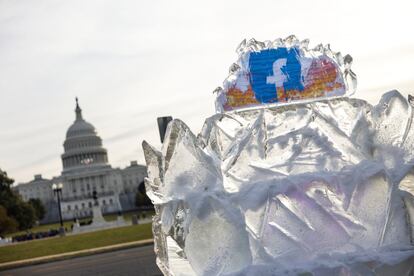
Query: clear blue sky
[131, 61]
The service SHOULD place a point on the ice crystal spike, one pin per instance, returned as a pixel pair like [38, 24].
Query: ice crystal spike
[318, 48]
[304, 43]
[241, 48]
[284, 71]
[277, 42]
[217, 90]
[348, 61]
[291, 41]
[350, 76]
[234, 68]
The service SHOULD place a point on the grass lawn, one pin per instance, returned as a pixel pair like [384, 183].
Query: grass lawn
[51, 246]
[67, 224]
[128, 215]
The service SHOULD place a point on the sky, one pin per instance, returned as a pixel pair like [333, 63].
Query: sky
[130, 62]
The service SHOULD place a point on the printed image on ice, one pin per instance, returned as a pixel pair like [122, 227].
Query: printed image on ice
[284, 71]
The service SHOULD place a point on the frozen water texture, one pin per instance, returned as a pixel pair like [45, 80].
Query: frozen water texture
[325, 187]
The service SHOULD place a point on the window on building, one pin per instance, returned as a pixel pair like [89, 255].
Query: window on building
[83, 205]
[110, 201]
[104, 202]
[69, 208]
[88, 187]
[76, 207]
[90, 204]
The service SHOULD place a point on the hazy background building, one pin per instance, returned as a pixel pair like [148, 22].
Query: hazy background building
[86, 169]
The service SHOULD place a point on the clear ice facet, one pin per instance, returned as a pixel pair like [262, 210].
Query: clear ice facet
[217, 242]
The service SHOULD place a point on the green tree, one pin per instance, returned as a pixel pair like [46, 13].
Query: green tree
[5, 183]
[24, 213]
[7, 224]
[16, 208]
[39, 208]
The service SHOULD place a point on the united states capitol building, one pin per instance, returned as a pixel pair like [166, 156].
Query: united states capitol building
[85, 170]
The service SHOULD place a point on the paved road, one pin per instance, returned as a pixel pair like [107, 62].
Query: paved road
[134, 261]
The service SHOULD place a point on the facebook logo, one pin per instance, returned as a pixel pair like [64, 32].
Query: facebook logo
[274, 69]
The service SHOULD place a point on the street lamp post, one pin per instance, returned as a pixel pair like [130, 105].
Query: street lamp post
[57, 189]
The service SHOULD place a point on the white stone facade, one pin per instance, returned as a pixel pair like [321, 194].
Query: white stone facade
[40, 188]
[86, 169]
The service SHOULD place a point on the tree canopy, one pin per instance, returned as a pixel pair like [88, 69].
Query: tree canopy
[39, 208]
[14, 212]
[7, 224]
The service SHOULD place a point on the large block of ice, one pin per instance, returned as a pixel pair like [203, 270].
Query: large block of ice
[323, 187]
[289, 187]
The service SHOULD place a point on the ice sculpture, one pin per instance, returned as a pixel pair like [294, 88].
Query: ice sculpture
[323, 187]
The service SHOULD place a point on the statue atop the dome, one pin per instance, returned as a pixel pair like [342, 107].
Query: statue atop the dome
[78, 110]
[283, 71]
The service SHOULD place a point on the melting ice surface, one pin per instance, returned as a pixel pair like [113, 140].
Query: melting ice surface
[325, 188]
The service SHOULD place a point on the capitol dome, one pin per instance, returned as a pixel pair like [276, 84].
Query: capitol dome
[79, 128]
[83, 147]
